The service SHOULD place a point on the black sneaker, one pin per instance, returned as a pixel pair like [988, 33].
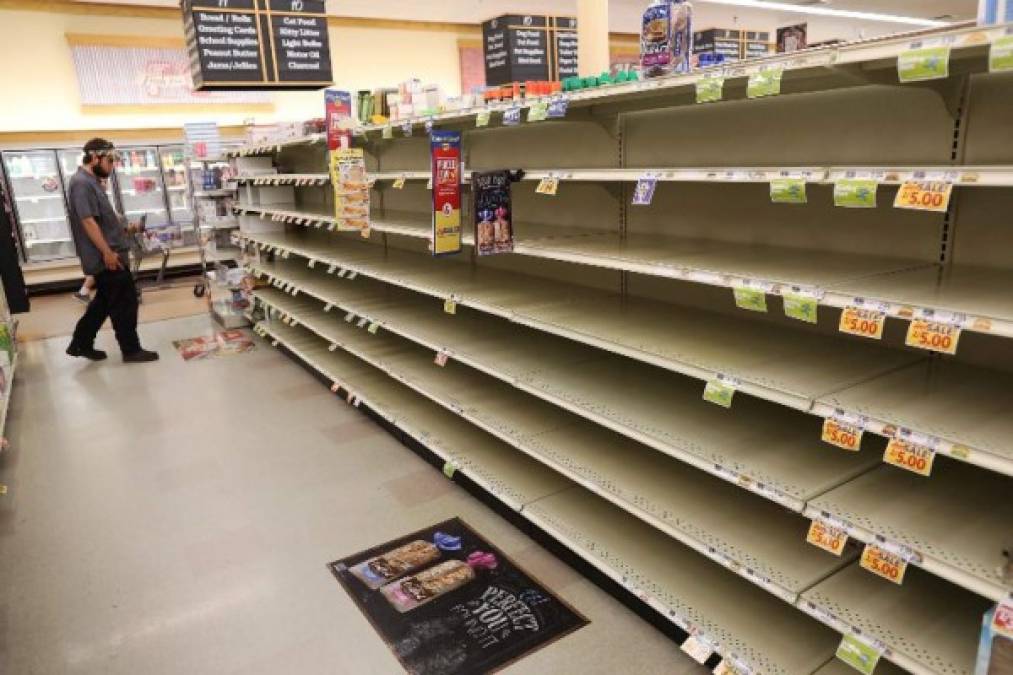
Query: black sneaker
[90, 353]
[140, 356]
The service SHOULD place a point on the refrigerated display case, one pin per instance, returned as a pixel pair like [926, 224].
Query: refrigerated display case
[142, 192]
[176, 178]
[39, 203]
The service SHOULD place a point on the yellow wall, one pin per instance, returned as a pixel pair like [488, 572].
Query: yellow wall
[38, 85]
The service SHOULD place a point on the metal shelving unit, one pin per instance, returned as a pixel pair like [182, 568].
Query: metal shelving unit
[582, 356]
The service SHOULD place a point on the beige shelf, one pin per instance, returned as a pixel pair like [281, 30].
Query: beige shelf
[296, 179]
[497, 468]
[753, 537]
[792, 367]
[955, 525]
[763, 447]
[711, 262]
[961, 410]
[927, 625]
[737, 619]
[975, 298]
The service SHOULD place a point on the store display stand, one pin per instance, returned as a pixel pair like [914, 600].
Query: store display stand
[567, 380]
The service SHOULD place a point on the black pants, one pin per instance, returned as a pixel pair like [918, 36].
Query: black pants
[115, 298]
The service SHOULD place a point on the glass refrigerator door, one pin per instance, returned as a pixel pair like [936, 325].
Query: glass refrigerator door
[70, 160]
[174, 171]
[38, 199]
[139, 177]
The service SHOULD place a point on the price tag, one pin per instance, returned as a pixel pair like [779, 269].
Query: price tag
[858, 654]
[915, 458]
[429, 125]
[3, 490]
[765, 82]
[752, 299]
[429, 183]
[801, 307]
[924, 195]
[449, 469]
[335, 387]
[373, 328]
[787, 191]
[726, 667]
[361, 322]
[406, 128]
[855, 193]
[450, 306]
[352, 274]
[558, 108]
[349, 317]
[862, 322]
[842, 435]
[399, 182]
[697, 649]
[887, 565]
[441, 359]
[925, 63]
[933, 336]
[643, 194]
[1000, 54]
[538, 111]
[511, 117]
[482, 118]
[330, 270]
[333, 347]
[827, 537]
[710, 88]
[388, 132]
[720, 391]
[548, 186]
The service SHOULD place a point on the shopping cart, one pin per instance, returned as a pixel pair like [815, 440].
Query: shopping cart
[151, 242]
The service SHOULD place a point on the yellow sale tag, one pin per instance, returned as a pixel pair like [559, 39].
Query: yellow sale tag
[842, 435]
[450, 306]
[719, 393]
[887, 565]
[936, 337]
[915, 458]
[548, 186]
[3, 490]
[867, 323]
[826, 537]
[924, 195]
[399, 183]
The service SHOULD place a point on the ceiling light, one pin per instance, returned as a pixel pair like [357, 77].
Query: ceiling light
[825, 11]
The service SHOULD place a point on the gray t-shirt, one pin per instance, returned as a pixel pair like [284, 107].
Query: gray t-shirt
[86, 198]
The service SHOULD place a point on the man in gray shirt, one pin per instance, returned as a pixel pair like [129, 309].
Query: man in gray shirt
[101, 240]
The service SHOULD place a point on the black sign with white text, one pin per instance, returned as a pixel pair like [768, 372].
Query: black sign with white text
[519, 48]
[258, 44]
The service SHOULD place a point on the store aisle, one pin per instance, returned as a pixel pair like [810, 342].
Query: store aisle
[177, 518]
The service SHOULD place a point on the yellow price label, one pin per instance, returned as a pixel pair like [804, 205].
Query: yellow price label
[450, 306]
[842, 435]
[828, 538]
[887, 565]
[924, 195]
[866, 323]
[719, 393]
[399, 183]
[548, 186]
[915, 458]
[936, 337]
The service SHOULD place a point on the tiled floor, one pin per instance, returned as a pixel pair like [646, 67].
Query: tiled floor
[177, 518]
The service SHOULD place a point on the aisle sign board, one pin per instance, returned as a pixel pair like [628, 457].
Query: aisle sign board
[519, 48]
[257, 44]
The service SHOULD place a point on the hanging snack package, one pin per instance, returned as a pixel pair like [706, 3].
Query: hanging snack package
[494, 231]
[393, 564]
[351, 190]
[445, 149]
[428, 585]
[666, 38]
